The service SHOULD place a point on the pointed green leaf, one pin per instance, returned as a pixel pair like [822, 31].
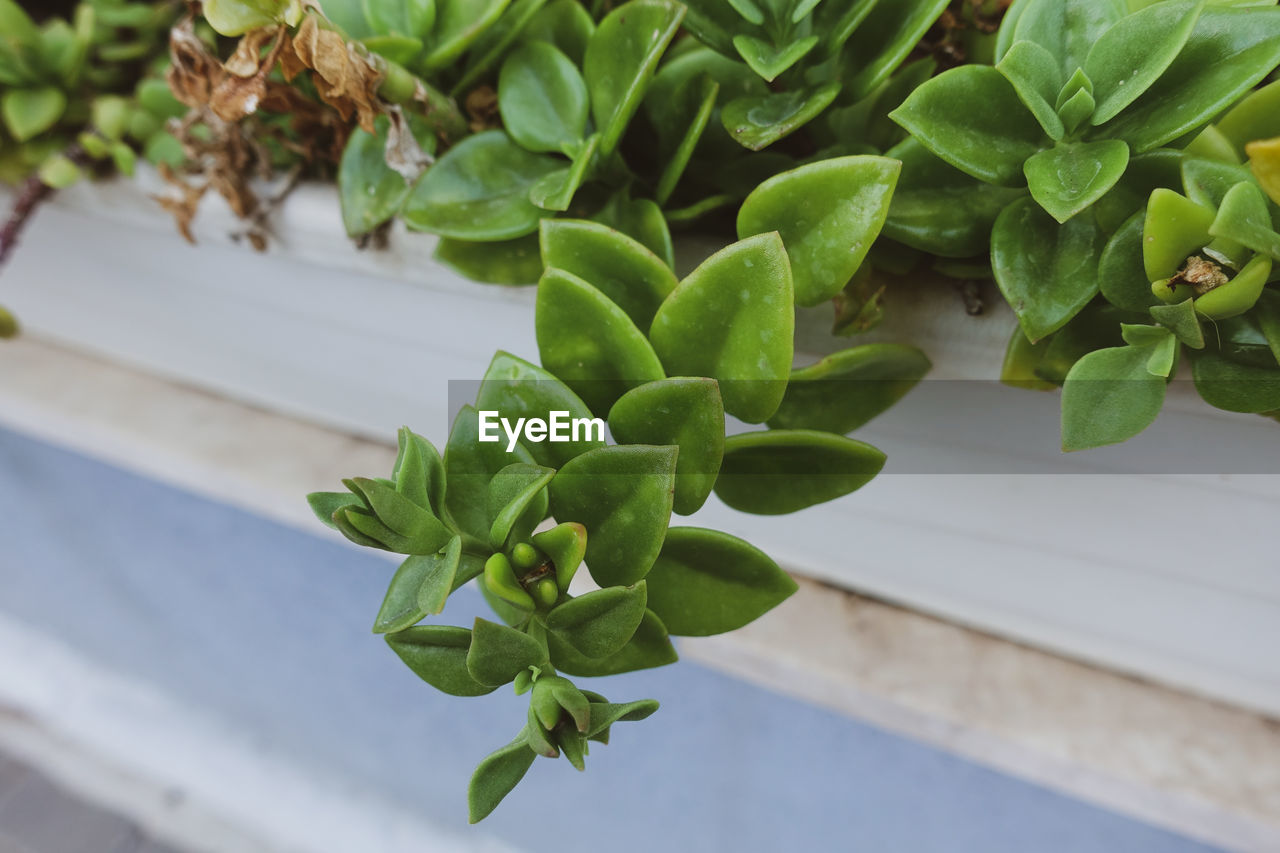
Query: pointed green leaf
[1035, 76]
[470, 465]
[517, 501]
[419, 588]
[589, 342]
[1237, 295]
[419, 471]
[459, 23]
[1122, 275]
[599, 623]
[757, 122]
[847, 389]
[770, 60]
[622, 495]
[1244, 216]
[605, 714]
[1109, 397]
[621, 268]
[880, 41]
[496, 777]
[732, 319]
[642, 220]
[29, 112]
[781, 471]
[649, 647]
[555, 190]
[1229, 51]
[1070, 177]
[621, 58]
[1181, 319]
[325, 504]
[492, 262]
[498, 653]
[1068, 29]
[542, 98]
[517, 389]
[687, 413]
[708, 90]
[1047, 271]
[566, 545]
[706, 582]
[972, 118]
[438, 655]
[479, 190]
[828, 213]
[1133, 53]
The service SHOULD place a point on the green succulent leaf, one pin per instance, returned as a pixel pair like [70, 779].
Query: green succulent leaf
[732, 319]
[1047, 271]
[847, 389]
[972, 118]
[649, 647]
[590, 342]
[622, 495]
[419, 588]
[828, 214]
[621, 58]
[706, 582]
[1068, 29]
[1122, 275]
[769, 60]
[1239, 294]
[687, 413]
[1130, 56]
[496, 776]
[1228, 52]
[479, 190]
[939, 209]
[498, 653]
[1244, 216]
[438, 655]
[1235, 387]
[542, 98]
[517, 501]
[623, 269]
[881, 40]
[1110, 396]
[555, 190]
[565, 23]
[1181, 319]
[325, 504]
[1207, 182]
[566, 545]
[599, 623]
[1256, 116]
[1070, 177]
[605, 714]
[28, 113]
[517, 389]
[408, 18]
[642, 220]
[420, 530]
[458, 24]
[757, 122]
[782, 471]
[419, 472]
[1033, 72]
[493, 262]
[708, 90]
[470, 466]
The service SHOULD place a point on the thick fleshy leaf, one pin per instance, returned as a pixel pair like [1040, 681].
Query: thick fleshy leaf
[687, 413]
[469, 466]
[438, 655]
[517, 501]
[1122, 275]
[706, 582]
[680, 89]
[29, 112]
[1068, 29]
[605, 714]
[589, 342]
[757, 122]
[498, 653]
[542, 97]
[325, 504]
[1239, 294]
[1181, 319]
[972, 118]
[707, 91]
[418, 529]
[1047, 271]
[939, 209]
[555, 190]
[642, 220]
[847, 389]
[458, 24]
[517, 389]
[566, 546]
[1035, 76]
[479, 190]
[623, 496]
[493, 262]
[1207, 182]
[621, 58]
[881, 41]
[419, 471]
[419, 588]
[828, 213]
[565, 23]
[781, 471]
[1070, 177]
[648, 647]
[599, 623]
[732, 319]
[1229, 51]
[1244, 217]
[621, 268]
[497, 40]
[1256, 116]
[1174, 228]
[1236, 387]
[1109, 397]
[769, 60]
[496, 776]
[1132, 54]
[1144, 174]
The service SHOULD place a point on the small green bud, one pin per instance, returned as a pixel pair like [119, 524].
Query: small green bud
[525, 556]
[545, 592]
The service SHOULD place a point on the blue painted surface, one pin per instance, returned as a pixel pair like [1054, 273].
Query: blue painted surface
[268, 628]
